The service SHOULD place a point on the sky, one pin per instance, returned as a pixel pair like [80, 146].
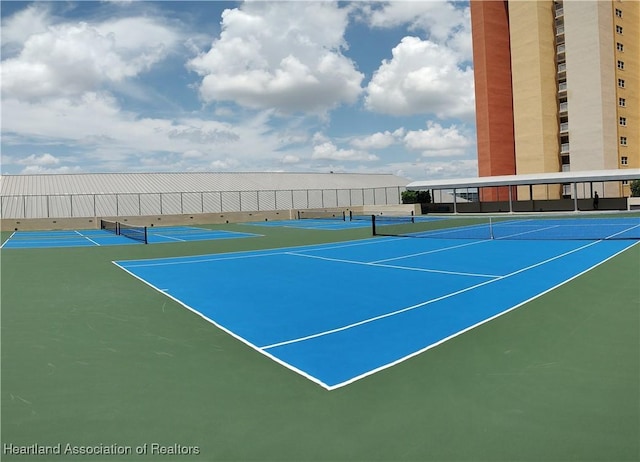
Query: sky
[256, 86]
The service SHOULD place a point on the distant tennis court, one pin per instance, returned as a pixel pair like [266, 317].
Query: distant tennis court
[319, 223]
[129, 235]
[336, 313]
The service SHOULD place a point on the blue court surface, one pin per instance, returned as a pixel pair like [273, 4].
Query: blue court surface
[310, 223]
[337, 313]
[100, 237]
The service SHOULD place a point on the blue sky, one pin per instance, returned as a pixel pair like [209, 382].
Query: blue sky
[300, 86]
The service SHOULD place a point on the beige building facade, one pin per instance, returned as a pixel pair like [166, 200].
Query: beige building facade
[575, 68]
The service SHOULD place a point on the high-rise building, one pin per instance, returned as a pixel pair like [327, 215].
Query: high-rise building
[557, 88]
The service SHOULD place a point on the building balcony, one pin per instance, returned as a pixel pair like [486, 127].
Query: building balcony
[564, 148]
[564, 127]
[559, 12]
[560, 49]
[562, 87]
[560, 29]
[564, 107]
[562, 67]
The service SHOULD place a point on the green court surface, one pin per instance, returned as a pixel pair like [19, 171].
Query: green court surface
[94, 360]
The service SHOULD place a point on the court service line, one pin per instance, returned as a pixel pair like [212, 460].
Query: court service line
[86, 237]
[428, 302]
[527, 232]
[431, 251]
[622, 232]
[168, 237]
[246, 254]
[408, 268]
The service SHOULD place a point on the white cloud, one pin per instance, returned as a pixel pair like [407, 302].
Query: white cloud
[434, 169]
[329, 151]
[438, 141]
[421, 78]
[69, 59]
[462, 168]
[32, 20]
[71, 83]
[441, 22]
[38, 169]
[111, 139]
[290, 159]
[282, 55]
[43, 163]
[39, 160]
[379, 140]
[224, 164]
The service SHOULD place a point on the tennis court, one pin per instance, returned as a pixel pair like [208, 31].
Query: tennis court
[332, 346]
[129, 236]
[397, 297]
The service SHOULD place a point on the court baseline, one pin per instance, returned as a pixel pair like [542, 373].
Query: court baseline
[335, 316]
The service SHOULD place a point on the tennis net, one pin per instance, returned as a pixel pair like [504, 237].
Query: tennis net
[138, 233]
[367, 216]
[111, 226]
[323, 214]
[534, 227]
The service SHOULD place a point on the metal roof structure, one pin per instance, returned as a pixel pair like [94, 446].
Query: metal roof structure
[573, 178]
[593, 176]
[141, 183]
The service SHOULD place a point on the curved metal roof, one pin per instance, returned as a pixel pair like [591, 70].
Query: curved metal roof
[133, 183]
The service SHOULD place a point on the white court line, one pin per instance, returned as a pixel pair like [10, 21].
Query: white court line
[408, 268]
[431, 251]
[231, 333]
[528, 232]
[9, 238]
[373, 371]
[253, 253]
[440, 342]
[622, 232]
[86, 237]
[428, 302]
[168, 237]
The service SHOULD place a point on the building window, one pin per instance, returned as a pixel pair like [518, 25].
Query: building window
[619, 29]
[621, 83]
[619, 46]
[618, 12]
[621, 65]
[624, 160]
[623, 141]
[622, 102]
[623, 121]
